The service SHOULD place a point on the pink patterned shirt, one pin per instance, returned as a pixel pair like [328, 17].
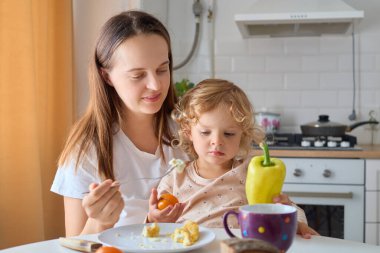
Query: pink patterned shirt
[208, 199]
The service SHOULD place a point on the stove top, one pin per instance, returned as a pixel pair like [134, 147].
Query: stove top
[297, 141]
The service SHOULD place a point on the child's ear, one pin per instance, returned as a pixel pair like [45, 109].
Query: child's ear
[187, 133]
[105, 76]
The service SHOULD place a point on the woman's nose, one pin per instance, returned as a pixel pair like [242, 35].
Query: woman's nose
[153, 82]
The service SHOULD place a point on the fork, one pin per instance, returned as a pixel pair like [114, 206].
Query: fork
[174, 164]
[171, 168]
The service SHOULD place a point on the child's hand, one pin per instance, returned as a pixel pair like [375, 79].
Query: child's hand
[168, 214]
[302, 228]
[282, 199]
[305, 231]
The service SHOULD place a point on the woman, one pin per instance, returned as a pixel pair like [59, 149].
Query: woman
[126, 130]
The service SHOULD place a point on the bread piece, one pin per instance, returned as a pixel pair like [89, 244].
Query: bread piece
[193, 229]
[152, 230]
[237, 245]
[188, 234]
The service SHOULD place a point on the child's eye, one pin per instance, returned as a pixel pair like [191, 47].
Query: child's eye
[205, 133]
[229, 134]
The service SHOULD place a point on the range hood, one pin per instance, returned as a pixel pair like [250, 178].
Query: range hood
[283, 18]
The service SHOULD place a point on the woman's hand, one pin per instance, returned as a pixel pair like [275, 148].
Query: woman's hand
[305, 231]
[168, 214]
[103, 205]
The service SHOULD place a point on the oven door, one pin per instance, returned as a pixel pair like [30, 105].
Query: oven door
[332, 210]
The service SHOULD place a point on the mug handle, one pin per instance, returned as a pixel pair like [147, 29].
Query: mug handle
[225, 221]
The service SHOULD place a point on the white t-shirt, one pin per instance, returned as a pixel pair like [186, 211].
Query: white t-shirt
[129, 163]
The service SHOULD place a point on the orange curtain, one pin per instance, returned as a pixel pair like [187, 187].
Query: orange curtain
[36, 112]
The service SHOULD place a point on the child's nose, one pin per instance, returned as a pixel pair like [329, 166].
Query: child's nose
[217, 140]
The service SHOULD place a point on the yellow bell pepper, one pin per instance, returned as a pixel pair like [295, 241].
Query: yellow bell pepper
[265, 177]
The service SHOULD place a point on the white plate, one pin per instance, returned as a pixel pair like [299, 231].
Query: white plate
[129, 239]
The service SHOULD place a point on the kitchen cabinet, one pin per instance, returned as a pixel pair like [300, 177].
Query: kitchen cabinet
[331, 192]
[372, 217]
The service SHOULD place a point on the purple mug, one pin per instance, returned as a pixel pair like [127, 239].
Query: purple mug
[274, 223]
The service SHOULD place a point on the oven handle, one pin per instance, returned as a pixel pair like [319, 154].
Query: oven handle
[339, 195]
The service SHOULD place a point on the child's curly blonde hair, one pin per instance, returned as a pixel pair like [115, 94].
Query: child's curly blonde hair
[206, 96]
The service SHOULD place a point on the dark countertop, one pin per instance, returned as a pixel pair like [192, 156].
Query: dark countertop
[365, 152]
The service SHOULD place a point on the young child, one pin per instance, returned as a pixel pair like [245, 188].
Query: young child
[216, 129]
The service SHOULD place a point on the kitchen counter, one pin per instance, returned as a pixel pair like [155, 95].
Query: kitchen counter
[366, 152]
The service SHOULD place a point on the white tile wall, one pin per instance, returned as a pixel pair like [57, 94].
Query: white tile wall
[301, 81]
[377, 65]
[266, 47]
[283, 64]
[231, 48]
[369, 43]
[248, 64]
[302, 46]
[320, 63]
[223, 64]
[336, 81]
[264, 81]
[336, 45]
[300, 77]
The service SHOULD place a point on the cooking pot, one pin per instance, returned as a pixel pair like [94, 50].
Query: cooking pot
[324, 127]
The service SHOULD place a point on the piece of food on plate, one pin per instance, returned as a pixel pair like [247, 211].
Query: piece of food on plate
[178, 164]
[188, 234]
[181, 235]
[152, 230]
[193, 228]
[165, 200]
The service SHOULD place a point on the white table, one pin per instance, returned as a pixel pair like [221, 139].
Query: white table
[318, 244]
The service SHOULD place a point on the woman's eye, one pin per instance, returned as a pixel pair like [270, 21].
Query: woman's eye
[161, 71]
[137, 76]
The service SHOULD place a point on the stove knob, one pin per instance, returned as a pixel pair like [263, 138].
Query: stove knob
[297, 173]
[327, 173]
[345, 144]
[318, 143]
[331, 144]
[305, 143]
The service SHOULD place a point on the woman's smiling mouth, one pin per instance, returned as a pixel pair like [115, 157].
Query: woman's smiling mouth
[152, 98]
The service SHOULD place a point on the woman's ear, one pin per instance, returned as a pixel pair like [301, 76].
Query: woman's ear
[105, 76]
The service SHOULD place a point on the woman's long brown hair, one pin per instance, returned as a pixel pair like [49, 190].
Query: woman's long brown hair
[96, 128]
